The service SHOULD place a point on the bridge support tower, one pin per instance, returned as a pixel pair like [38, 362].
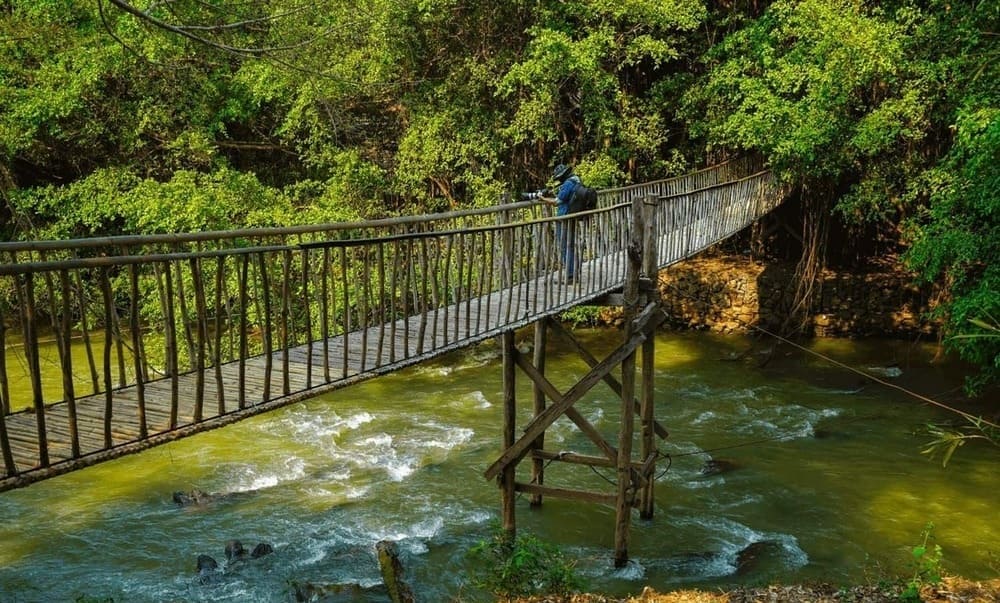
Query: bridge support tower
[634, 482]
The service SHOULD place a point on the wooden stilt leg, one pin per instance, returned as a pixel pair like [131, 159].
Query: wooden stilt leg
[537, 464]
[630, 293]
[509, 419]
[649, 268]
[623, 506]
[646, 395]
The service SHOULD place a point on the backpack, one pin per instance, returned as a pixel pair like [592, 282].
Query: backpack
[584, 199]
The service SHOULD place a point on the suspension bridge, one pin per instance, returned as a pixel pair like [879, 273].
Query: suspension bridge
[113, 345]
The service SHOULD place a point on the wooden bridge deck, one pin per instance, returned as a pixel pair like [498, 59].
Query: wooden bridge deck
[123, 420]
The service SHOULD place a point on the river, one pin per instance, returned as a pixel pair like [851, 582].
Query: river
[828, 472]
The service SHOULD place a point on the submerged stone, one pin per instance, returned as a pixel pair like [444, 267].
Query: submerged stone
[717, 466]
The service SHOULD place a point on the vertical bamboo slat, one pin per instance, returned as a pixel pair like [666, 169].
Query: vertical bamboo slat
[184, 315]
[468, 284]
[407, 264]
[285, 336]
[307, 317]
[393, 294]
[85, 332]
[170, 342]
[5, 405]
[324, 315]
[447, 297]
[220, 388]
[241, 387]
[347, 309]
[459, 283]
[108, 400]
[137, 349]
[265, 294]
[363, 308]
[380, 304]
[199, 360]
[119, 345]
[434, 297]
[67, 364]
[27, 302]
[489, 258]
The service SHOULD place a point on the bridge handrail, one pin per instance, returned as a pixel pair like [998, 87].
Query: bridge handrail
[9, 269]
[752, 163]
[709, 187]
[264, 232]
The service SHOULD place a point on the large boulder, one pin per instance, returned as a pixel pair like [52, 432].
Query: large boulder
[756, 555]
[208, 569]
[235, 551]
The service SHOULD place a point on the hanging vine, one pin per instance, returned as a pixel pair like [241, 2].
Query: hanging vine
[816, 204]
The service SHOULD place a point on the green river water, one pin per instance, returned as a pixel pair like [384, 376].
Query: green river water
[830, 474]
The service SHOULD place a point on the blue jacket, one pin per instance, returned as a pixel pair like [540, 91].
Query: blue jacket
[565, 194]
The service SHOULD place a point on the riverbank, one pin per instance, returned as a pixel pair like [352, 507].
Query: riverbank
[733, 293]
[951, 590]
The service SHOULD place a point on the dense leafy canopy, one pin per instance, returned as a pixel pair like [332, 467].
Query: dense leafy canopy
[893, 107]
[120, 116]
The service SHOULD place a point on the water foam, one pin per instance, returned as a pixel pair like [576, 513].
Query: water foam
[476, 399]
[733, 537]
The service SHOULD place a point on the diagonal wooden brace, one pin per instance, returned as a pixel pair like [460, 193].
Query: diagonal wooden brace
[541, 422]
[613, 383]
[573, 414]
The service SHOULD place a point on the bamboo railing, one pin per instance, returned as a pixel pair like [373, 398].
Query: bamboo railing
[114, 345]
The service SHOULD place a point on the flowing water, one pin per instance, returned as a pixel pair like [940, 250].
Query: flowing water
[827, 473]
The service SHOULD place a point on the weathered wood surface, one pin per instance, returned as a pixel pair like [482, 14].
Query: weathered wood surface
[387, 300]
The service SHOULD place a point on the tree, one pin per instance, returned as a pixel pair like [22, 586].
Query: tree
[889, 113]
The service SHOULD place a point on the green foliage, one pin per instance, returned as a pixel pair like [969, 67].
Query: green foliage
[113, 201]
[588, 68]
[947, 440]
[794, 84]
[582, 315]
[956, 240]
[927, 570]
[393, 107]
[522, 566]
[893, 106]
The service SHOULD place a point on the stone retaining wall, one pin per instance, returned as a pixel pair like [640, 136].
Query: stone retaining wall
[728, 294]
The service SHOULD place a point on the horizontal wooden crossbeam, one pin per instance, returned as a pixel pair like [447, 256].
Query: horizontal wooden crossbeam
[584, 495]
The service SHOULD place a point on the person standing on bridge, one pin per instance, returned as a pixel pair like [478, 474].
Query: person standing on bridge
[566, 185]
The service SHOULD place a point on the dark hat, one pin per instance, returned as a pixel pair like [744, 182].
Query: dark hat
[561, 172]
